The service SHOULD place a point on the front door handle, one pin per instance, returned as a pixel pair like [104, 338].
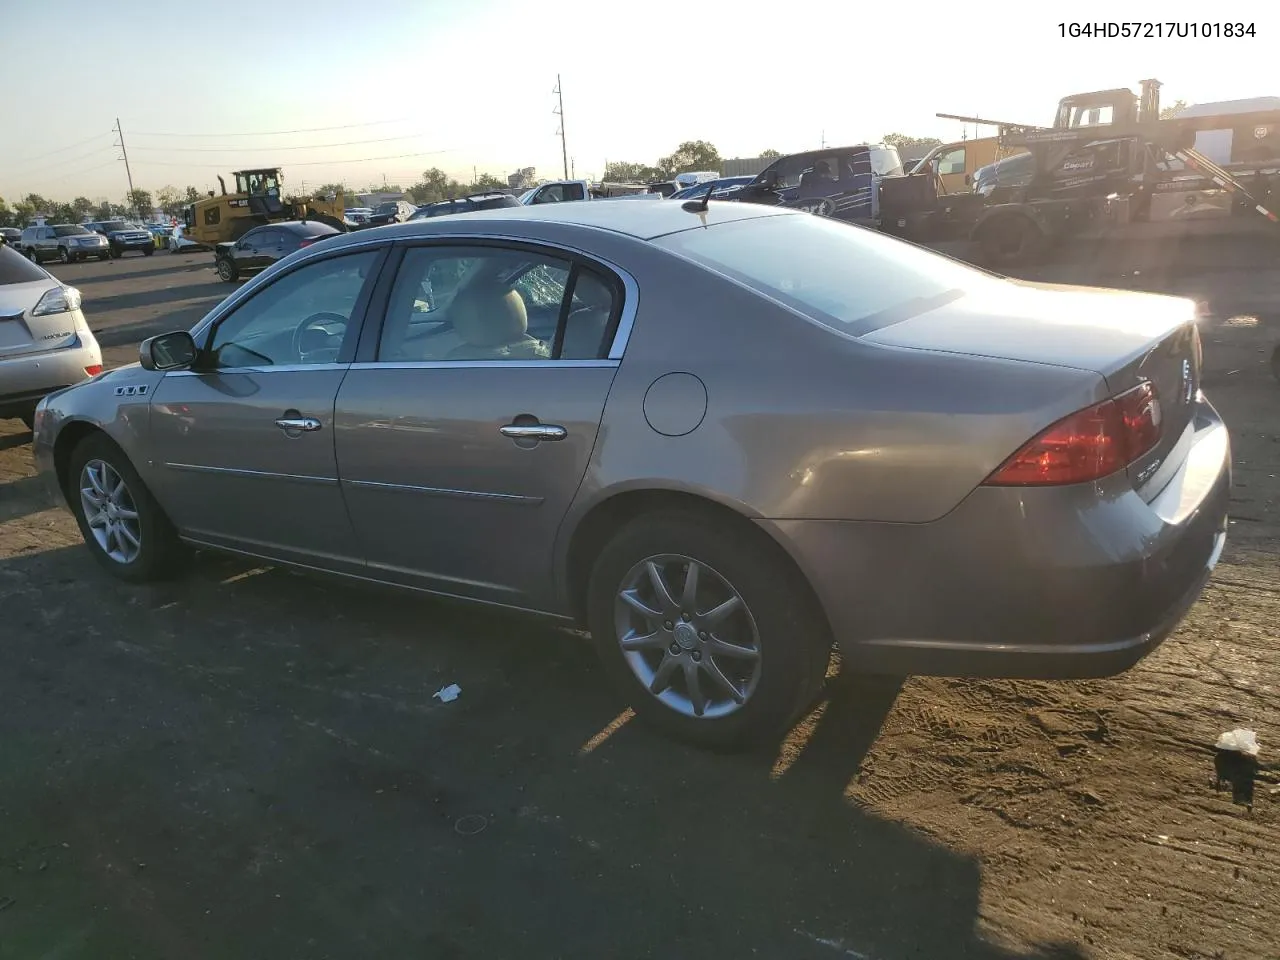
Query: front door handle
[533, 431]
[296, 425]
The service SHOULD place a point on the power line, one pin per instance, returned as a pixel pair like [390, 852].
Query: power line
[78, 143]
[272, 133]
[303, 163]
[309, 146]
[58, 163]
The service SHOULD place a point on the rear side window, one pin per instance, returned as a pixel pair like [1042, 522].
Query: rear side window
[15, 268]
[851, 279]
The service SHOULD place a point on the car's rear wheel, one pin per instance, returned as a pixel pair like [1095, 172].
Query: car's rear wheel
[707, 628]
[32, 255]
[125, 529]
[227, 269]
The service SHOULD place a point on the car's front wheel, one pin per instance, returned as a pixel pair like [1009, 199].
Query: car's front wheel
[32, 255]
[707, 628]
[124, 527]
[148, 251]
[227, 269]
[63, 255]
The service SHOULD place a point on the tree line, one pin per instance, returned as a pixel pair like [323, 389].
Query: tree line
[169, 199]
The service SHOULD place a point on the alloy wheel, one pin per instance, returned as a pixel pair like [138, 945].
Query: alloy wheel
[110, 511]
[688, 636]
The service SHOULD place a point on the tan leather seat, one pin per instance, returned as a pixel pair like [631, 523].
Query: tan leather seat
[493, 326]
[586, 325]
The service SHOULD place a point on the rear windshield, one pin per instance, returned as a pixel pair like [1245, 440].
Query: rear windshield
[849, 278]
[15, 268]
[70, 230]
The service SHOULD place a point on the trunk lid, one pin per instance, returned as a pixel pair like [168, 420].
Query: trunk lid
[22, 284]
[1126, 337]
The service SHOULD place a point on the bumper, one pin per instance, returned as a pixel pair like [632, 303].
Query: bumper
[98, 250]
[24, 380]
[126, 245]
[1062, 583]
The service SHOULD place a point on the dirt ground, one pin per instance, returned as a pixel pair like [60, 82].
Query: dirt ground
[250, 763]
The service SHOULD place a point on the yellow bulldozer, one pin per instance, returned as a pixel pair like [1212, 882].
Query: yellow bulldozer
[258, 199]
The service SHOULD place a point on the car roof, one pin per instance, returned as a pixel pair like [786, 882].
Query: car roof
[644, 221]
[302, 227]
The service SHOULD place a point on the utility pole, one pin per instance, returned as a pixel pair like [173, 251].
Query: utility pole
[824, 140]
[564, 149]
[127, 173]
[475, 177]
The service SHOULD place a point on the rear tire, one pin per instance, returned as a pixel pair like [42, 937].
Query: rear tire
[128, 533]
[776, 616]
[32, 255]
[1012, 240]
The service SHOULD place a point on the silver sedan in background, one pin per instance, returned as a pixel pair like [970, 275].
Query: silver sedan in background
[723, 439]
[45, 343]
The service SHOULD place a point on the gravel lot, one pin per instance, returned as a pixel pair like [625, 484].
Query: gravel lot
[250, 763]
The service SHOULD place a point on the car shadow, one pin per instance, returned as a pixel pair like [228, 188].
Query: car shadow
[214, 290]
[181, 267]
[269, 746]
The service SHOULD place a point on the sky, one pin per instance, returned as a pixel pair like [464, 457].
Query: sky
[388, 88]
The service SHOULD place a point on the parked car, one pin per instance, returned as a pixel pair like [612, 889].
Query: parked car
[718, 189]
[123, 237]
[357, 216]
[263, 246]
[719, 439]
[393, 211]
[480, 201]
[999, 181]
[45, 343]
[67, 242]
[10, 236]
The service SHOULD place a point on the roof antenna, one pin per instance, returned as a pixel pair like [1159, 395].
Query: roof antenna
[698, 206]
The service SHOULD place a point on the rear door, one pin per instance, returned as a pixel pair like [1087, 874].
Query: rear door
[22, 285]
[465, 431]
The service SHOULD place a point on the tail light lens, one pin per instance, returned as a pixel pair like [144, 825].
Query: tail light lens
[307, 242]
[57, 300]
[93, 369]
[1088, 445]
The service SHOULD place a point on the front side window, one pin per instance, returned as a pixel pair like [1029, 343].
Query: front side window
[488, 303]
[952, 161]
[848, 278]
[302, 318]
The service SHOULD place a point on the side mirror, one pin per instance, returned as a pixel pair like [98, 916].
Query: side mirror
[168, 351]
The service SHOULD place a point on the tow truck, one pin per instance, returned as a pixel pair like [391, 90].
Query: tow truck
[1108, 168]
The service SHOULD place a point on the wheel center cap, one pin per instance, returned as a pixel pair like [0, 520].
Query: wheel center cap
[686, 636]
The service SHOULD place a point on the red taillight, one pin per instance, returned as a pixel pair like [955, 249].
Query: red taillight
[308, 242]
[1087, 445]
[93, 369]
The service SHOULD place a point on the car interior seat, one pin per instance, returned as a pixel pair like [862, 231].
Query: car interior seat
[493, 325]
[586, 325]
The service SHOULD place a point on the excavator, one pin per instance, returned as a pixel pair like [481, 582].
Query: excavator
[257, 200]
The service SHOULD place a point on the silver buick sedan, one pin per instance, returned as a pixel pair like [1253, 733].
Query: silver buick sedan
[723, 439]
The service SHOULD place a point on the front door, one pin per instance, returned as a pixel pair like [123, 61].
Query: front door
[462, 443]
[244, 443]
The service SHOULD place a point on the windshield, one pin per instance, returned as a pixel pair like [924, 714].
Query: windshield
[69, 230]
[387, 207]
[846, 277]
[114, 225]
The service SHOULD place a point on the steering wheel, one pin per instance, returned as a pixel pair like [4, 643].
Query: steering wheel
[308, 337]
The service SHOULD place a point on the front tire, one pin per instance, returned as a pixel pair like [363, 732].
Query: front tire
[149, 251]
[227, 270]
[728, 662]
[124, 527]
[63, 255]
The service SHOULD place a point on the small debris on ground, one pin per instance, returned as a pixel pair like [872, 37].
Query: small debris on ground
[448, 694]
[1239, 741]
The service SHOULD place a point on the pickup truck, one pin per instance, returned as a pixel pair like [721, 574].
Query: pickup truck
[562, 191]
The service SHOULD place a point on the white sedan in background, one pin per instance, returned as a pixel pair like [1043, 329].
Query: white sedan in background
[178, 242]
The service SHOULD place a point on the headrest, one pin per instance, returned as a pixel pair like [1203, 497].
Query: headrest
[486, 318]
[592, 292]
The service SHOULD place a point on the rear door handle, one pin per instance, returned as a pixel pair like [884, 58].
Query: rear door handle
[534, 431]
[295, 425]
